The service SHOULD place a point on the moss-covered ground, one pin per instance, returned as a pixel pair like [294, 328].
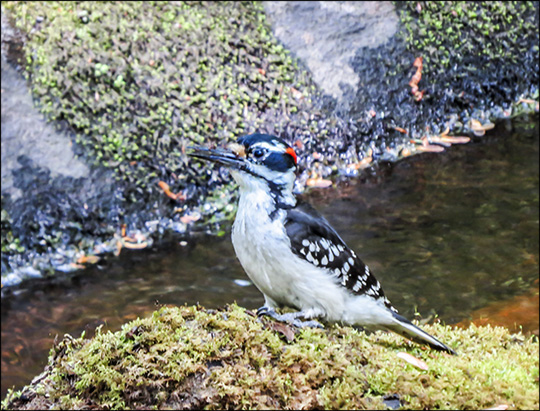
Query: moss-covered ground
[189, 357]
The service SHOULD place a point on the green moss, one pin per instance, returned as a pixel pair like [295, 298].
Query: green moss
[139, 81]
[188, 357]
[466, 30]
[10, 243]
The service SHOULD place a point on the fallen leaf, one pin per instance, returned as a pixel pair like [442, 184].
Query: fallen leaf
[118, 248]
[190, 218]
[526, 101]
[136, 246]
[478, 128]
[364, 163]
[165, 187]
[88, 259]
[406, 152]
[284, 329]
[430, 148]
[416, 362]
[296, 93]
[401, 130]
[456, 139]
[318, 182]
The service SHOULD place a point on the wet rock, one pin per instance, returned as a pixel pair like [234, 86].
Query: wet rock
[26, 133]
[325, 35]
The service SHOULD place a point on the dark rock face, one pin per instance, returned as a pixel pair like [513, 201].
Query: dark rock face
[27, 137]
[50, 197]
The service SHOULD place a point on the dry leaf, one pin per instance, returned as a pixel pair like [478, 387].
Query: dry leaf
[88, 259]
[430, 148]
[455, 140]
[190, 218]
[135, 246]
[284, 329]
[318, 182]
[416, 362]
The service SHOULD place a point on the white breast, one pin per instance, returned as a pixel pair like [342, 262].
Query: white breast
[263, 248]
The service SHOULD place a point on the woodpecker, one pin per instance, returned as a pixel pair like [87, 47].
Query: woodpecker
[291, 252]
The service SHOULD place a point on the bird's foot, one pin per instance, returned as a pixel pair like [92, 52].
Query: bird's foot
[291, 318]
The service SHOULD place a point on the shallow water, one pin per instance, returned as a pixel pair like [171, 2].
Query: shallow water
[445, 233]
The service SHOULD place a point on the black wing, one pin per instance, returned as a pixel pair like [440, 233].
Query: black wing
[313, 239]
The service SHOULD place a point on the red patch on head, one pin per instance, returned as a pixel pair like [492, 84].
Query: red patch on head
[291, 152]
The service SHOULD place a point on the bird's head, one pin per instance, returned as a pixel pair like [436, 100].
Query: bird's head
[255, 160]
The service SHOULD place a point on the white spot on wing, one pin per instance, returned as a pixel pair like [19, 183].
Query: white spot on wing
[305, 243]
[324, 261]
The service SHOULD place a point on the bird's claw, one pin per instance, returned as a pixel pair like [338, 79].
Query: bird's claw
[291, 318]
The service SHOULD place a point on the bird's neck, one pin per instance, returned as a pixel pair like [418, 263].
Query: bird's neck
[260, 195]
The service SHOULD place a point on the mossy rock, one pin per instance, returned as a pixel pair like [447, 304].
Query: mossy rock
[189, 357]
[140, 81]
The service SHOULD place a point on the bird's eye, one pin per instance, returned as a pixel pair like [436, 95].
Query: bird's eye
[258, 153]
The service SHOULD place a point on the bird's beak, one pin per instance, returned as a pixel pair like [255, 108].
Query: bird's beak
[234, 157]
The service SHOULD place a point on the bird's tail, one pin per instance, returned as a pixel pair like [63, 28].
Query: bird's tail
[407, 329]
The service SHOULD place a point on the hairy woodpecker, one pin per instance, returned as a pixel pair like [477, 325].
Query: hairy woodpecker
[291, 252]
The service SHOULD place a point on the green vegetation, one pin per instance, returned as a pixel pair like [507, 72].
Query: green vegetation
[477, 53]
[188, 357]
[140, 81]
[10, 243]
[467, 33]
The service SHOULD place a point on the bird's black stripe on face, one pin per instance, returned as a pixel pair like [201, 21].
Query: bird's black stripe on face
[279, 162]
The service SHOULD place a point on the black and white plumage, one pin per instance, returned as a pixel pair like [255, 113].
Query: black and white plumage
[291, 252]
